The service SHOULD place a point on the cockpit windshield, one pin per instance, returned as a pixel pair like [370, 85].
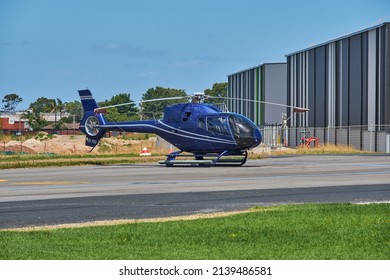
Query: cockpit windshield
[240, 127]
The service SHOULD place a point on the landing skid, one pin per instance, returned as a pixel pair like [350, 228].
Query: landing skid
[211, 159]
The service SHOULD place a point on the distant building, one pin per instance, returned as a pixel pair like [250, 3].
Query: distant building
[13, 123]
[250, 88]
[53, 117]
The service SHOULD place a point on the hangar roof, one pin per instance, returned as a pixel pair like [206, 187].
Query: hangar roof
[339, 38]
[257, 66]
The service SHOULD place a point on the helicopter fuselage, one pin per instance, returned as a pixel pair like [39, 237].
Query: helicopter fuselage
[195, 128]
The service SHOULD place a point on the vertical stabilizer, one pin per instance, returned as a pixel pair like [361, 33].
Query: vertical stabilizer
[88, 102]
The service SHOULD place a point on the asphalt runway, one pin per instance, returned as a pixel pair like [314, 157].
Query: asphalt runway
[61, 195]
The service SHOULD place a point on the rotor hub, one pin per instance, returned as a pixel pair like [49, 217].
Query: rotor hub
[197, 97]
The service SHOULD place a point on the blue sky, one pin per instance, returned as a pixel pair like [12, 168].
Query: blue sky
[53, 48]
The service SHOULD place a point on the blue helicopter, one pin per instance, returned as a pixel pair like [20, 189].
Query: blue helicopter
[209, 135]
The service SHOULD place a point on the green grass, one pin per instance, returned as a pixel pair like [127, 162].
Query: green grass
[49, 160]
[321, 231]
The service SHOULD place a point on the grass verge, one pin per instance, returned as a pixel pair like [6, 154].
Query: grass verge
[320, 231]
[329, 149]
[48, 160]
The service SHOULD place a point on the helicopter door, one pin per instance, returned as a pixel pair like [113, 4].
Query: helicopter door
[242, 131]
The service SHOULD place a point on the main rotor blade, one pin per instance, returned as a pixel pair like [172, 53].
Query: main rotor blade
[102, 109]
[295, 108]
[162, 99]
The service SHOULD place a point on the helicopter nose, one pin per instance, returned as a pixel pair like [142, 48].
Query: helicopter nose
[257, 137]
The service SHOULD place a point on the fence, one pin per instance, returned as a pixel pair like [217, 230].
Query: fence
[274, 136]
[373, 138]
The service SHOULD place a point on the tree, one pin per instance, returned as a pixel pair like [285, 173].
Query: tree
[73, 109]
[57, 107]
[121, 113]
[46, 105]
[36, 109]
[35, 120]
[154, 110]
[218, 90]
[43, 105]
[10, 102]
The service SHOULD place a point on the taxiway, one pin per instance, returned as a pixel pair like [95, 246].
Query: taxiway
[59, 195]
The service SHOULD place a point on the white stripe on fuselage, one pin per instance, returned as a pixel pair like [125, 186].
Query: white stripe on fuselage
[191, 133]
[175, 132]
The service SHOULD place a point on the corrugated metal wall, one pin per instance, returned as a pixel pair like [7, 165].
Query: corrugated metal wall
[243, 92]
[248, 89]
[343, 82]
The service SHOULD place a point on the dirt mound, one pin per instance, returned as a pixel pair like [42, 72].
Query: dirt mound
[75, 144]
[16, 147]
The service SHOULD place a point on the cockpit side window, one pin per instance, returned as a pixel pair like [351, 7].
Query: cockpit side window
[202, 123]
[218, 125]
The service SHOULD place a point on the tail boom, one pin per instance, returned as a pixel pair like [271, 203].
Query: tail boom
[94, 125]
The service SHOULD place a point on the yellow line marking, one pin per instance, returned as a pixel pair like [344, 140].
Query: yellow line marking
[50, 183]
[3, 180]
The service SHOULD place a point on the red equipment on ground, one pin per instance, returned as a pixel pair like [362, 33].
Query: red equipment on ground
[307, 140]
